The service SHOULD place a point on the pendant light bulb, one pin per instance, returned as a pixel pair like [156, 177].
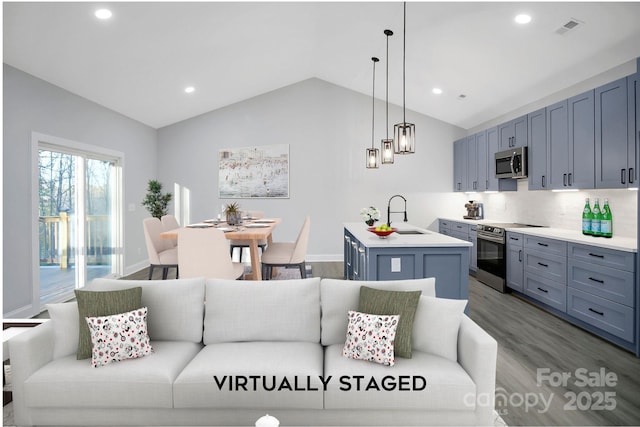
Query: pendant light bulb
[373, 154]
[404, 133]
[387, 144]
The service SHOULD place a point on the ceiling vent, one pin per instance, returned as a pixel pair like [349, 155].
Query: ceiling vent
[571, 25]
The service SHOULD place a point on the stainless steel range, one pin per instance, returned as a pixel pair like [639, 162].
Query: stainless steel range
[491, 251]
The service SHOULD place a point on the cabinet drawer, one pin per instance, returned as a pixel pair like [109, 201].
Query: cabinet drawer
[473, 228]
[549, 246]
[444, 224]
[515, 239]
[459, 235]
[601, 256]
[550, 267]
[445, 231]
[609, 316]
[547, 291]
[460, 227]
[612, 284]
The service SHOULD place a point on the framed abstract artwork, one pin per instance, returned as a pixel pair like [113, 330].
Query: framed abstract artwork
[254, 172]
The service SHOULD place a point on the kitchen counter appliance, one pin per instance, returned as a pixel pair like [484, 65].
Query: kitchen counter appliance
[474, 210]
[491, 251]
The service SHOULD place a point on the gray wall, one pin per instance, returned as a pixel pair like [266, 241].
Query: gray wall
[328, 129]
[33, 105]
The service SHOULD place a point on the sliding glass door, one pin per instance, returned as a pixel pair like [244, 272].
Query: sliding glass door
[77, 219]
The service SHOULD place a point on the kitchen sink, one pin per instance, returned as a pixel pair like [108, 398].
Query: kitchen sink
[410, 232]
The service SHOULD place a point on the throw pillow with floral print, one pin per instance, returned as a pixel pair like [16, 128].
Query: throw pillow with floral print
[371, 337]
[119, 337]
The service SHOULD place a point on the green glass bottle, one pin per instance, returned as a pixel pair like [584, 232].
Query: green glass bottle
[597, 218]
[606, 223]
[587, 217]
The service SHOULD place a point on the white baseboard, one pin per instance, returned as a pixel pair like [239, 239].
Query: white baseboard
[135, 267]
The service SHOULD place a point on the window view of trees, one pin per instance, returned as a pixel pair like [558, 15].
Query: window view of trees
[61, 177]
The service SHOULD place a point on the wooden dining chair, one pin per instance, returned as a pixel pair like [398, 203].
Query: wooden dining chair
[287, 254]
[161, 252]
[241, 244]
[204, 252]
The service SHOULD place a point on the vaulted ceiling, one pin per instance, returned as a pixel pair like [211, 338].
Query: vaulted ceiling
[139, 61]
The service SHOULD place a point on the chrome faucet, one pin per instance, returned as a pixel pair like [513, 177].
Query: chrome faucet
[389, 212]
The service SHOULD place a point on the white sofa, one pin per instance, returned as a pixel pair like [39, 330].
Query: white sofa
[215, 362]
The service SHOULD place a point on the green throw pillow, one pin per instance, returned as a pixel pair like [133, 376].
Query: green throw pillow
[403, 303]
[102, 303]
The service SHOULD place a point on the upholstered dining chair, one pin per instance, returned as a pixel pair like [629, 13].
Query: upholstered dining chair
[241, 244]
[169, 222]
[204, 252]
[287, 254]
[162, 253]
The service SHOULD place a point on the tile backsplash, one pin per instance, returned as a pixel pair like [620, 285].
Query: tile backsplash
[559, 209]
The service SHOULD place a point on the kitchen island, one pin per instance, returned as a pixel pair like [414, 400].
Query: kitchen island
[410, 253]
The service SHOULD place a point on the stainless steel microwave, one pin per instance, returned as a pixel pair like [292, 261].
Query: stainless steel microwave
[512, 163]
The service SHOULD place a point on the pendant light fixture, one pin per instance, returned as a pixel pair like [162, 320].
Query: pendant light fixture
[373, 154]
[404, 133]
[387, 144]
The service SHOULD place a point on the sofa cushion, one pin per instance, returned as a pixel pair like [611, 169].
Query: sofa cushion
[134, 383]
[402, 303]
[102, 303]
[66, 328]
[253, 375]
[285, 310]
[370, 337]
[119, 337]
[424, 382]
[176, 307]
[436, 326]
[340, 296]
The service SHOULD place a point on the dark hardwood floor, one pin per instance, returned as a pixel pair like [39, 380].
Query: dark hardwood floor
[536, 354]
[535, 349]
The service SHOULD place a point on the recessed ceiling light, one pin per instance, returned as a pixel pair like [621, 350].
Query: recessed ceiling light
[103, 14]
[523, 18]
[189, 89]
[436, 90]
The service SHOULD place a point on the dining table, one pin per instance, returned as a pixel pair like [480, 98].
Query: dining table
[253, 230]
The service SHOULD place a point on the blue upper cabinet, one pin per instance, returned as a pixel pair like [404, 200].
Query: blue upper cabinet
[483, 160]
[581, 141]
[633, 106]
[459, 165]
[558, 145]
[472, 164]
[537, 151]
[513, 133]
[614, 151]
[493, 183]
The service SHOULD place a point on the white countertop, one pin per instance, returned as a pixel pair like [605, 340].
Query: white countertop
[428, 239]
[618, 243]
[627, 244]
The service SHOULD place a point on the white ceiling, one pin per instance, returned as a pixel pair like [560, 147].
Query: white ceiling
[139, 62]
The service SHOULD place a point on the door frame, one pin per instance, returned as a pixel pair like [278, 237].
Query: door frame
[42, 141]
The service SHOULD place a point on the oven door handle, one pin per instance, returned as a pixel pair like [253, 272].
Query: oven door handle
[491, 238]
[513, 157]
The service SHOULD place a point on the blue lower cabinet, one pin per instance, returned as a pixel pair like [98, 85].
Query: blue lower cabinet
[611, 317]
[547, 291]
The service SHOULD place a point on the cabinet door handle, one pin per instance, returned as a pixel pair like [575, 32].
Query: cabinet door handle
[631, 177]
[486, 185]
[596, 255]
[544, 183]
[596, 280]
[543, 265]
[570, 180]
[513, 238]
[564, 179]
[543, 290]
[596, 311]
[520, 255]
[543, 244]
[622, 176]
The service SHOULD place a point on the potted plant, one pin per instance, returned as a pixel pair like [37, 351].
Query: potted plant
[370, 215]
[232, 211]
[156, 202]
